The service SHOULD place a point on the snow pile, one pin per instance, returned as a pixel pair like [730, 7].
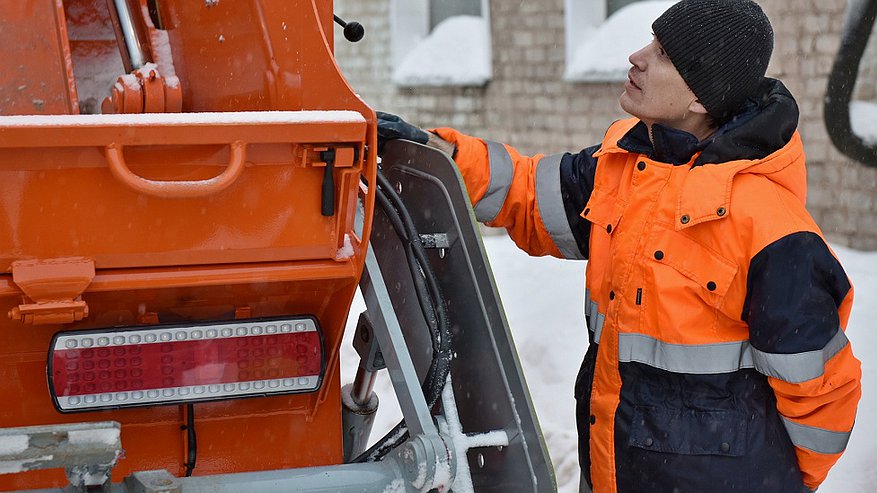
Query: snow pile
[549, 331]
[13, 444]
[601, 55]
[863, 120]
[346, 250]
[99, 436]
[204, 118]
[456, 53]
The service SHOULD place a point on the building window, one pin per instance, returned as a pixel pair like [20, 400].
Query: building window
[601, 35]
[440, 42]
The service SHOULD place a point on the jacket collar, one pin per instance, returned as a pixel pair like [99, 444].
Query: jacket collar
[671, 145]
[764, 125]
[761, 139]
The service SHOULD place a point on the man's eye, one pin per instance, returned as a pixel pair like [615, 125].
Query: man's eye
[662, 52]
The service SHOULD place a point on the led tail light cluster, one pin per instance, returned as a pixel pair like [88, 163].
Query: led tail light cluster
[167, 365]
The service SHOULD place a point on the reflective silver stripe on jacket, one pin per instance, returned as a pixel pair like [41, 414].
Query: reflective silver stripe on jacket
[596, 320]
[551, 208]
[699, 359]
[726, 357]
[593, 317]
[815, 439]
[502, 169]
[799, 367]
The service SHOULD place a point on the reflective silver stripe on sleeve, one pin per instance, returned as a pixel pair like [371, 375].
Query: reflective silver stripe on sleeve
[502, 169]
[700, 359]
[799, 367]
[551, 208]
[815, 439]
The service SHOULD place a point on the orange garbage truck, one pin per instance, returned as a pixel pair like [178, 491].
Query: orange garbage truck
[190, 198]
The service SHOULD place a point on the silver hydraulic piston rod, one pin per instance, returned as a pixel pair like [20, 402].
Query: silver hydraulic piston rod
[128, 35]
[360, 403]
[363, 386]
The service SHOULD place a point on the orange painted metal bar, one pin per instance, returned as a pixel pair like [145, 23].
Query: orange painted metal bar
[114, 280]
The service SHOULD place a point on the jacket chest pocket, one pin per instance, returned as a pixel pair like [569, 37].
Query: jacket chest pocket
[604, 212]
[681, 266]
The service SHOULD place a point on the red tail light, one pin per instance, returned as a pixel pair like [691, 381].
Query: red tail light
[173, 364]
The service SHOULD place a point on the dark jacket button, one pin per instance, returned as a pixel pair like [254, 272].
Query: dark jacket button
[684, 219]
[721, 211]
[611, 295]
[608, 228]
[726, 447]
[587, 210]
[711, 286]
[649, 442]
[641, 166]
[593, 419]
[659, 255]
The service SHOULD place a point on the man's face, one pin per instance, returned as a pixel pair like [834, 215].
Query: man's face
[654, 91]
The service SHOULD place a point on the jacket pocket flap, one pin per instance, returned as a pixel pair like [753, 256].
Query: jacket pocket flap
[689, 432]
[693, 260]
[602, 209]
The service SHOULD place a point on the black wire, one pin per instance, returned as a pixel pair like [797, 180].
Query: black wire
[431, 303]
[191, 439]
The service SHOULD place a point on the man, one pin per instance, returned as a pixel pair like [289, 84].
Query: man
[716, 311]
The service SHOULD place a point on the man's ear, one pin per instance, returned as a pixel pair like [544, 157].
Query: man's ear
[697, 107]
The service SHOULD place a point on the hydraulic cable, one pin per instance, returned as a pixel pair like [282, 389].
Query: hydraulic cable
[191, 439]
[438, 324]
[431, 303]
[441, 334]
[858, 25]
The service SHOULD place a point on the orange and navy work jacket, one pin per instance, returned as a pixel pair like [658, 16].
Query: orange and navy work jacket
[716, 312]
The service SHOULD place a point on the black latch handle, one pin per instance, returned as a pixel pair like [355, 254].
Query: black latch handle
[328, 195]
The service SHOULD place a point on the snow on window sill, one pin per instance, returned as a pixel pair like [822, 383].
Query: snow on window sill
[601, 54]
[456, 53]
[863, 120]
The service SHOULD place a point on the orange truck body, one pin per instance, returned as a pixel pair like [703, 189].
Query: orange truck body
[192, 204]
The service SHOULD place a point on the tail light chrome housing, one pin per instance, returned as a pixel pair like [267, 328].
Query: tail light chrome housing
[145, 366]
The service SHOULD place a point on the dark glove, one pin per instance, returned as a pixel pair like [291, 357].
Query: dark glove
[391, 127]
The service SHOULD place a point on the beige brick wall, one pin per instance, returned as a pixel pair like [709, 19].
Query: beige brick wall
[528, 104]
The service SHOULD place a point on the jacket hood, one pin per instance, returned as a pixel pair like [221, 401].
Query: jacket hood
[764, 125]
[761, 139]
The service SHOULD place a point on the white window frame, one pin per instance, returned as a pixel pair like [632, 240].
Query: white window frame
[409, 25]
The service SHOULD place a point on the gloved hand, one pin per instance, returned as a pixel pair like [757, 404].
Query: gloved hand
[391, 127]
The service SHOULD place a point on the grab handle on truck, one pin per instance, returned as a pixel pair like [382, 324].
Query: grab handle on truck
[177, 189]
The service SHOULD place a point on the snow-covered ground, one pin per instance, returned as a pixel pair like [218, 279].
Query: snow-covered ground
[542, 298]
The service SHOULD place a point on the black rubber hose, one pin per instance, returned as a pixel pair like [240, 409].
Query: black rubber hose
[419, 287]
[436, 317]
[441, 341]
[191, 439]
[844, 72]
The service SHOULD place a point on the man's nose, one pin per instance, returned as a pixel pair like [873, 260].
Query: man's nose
[638, 59]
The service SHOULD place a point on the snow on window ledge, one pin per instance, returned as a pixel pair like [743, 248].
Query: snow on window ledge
[601, 54]
[456, 53]
[863, 120]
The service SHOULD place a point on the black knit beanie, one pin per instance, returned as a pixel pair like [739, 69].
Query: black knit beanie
[720, 47]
